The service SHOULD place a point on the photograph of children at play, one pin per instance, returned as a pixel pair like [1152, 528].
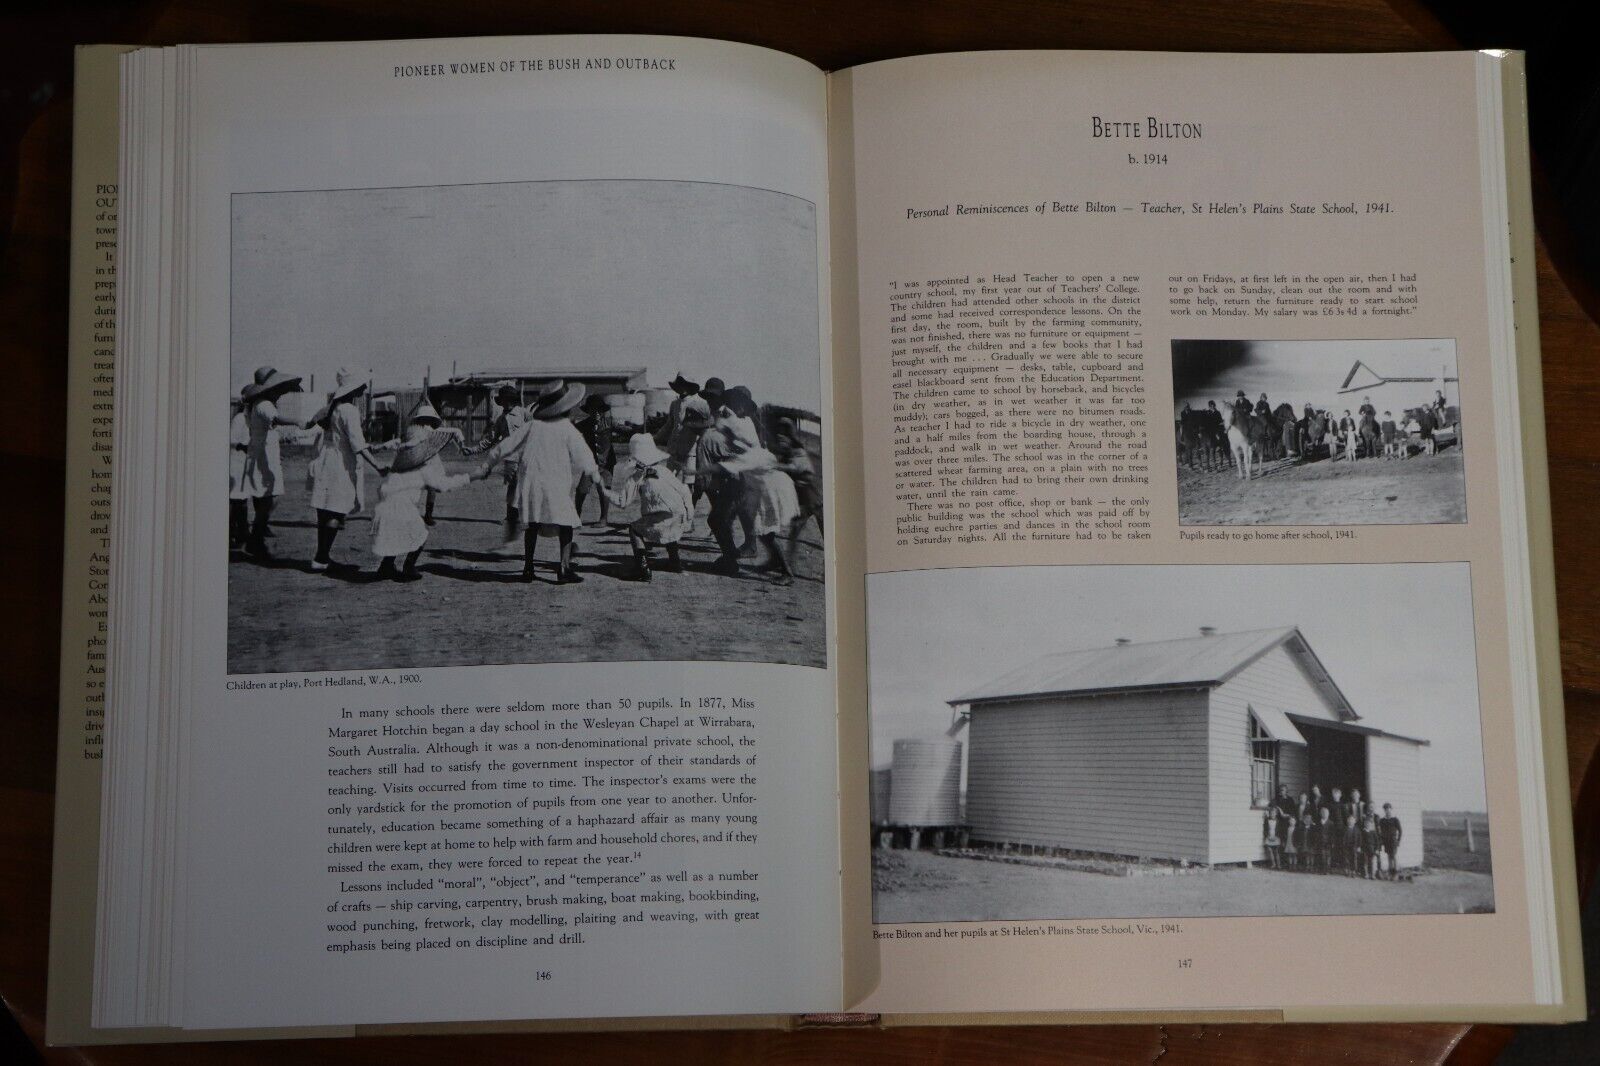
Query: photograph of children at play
[570, 448]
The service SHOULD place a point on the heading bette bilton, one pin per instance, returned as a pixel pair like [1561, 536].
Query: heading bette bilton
[1151, 129]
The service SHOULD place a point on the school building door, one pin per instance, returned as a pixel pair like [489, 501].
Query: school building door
[1337, 758]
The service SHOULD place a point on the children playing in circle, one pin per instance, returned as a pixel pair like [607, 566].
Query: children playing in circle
[554, 451]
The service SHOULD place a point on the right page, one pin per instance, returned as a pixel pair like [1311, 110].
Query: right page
[1206, 630]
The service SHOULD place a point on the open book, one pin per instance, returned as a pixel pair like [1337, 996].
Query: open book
[980, 536]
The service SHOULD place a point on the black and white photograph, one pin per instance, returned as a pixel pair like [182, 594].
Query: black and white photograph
[527, 422]
[1318, 433]
[1168, 741]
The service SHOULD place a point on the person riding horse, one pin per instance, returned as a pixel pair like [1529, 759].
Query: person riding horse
[1371, 434]
[1248, 436]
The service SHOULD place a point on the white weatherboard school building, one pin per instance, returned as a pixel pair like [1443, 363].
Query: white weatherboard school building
[1173, 749]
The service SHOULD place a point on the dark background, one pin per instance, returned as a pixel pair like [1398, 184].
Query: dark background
[1563, 73]
[36, 41]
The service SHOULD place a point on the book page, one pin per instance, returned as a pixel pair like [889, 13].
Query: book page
[1199, 624]
[512, 688]
[80, 735]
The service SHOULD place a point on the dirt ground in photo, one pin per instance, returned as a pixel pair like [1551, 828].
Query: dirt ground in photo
[471, 608]
[920, 886]
[1422, 490]
[933, 888]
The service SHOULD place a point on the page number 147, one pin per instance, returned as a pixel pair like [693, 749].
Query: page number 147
[1185, 964]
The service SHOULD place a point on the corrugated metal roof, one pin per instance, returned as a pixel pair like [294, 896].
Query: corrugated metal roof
[547, 373]
[1187, 662]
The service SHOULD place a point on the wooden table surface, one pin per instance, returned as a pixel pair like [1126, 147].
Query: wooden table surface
[33, 273]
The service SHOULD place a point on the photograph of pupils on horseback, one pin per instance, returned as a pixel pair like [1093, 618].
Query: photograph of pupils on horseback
[1318, 432]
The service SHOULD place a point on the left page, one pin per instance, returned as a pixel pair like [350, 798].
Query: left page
[505, 685]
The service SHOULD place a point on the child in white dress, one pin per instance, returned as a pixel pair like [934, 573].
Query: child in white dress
[553, 459]
[666, 506]
[397, 525]
[337, 471]
[261, 479]
[768, 502]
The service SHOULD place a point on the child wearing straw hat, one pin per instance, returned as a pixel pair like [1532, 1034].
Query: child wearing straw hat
[338, 469]
[666, 507]
[552, 460]
[687, 418]
[397, 526]
[705, 441]
[424, 414]
[733, 432]
[262, 477]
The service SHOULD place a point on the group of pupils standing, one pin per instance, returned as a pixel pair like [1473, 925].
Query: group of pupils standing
[1333, 835]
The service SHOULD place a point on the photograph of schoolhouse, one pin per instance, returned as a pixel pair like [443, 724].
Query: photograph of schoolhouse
[1276, 769]
[1174, 708]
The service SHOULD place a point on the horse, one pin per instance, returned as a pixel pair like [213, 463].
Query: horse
[1238, 441]
[1269, 431]
[1213, 437]
[1188, 429]
[1201, 439]
[1288, 429]
[1427, 421]
[1247, 435]
[1314, 428]
[1371, 437]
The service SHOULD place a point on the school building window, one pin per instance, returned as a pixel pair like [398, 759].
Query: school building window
[1263, 764]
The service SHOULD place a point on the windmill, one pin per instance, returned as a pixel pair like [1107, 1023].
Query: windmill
[424, 398]
[1363, 378]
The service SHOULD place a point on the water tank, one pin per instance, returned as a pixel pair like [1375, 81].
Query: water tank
[626, 407]
[878, 797]
[927, 782]
[658, 402]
